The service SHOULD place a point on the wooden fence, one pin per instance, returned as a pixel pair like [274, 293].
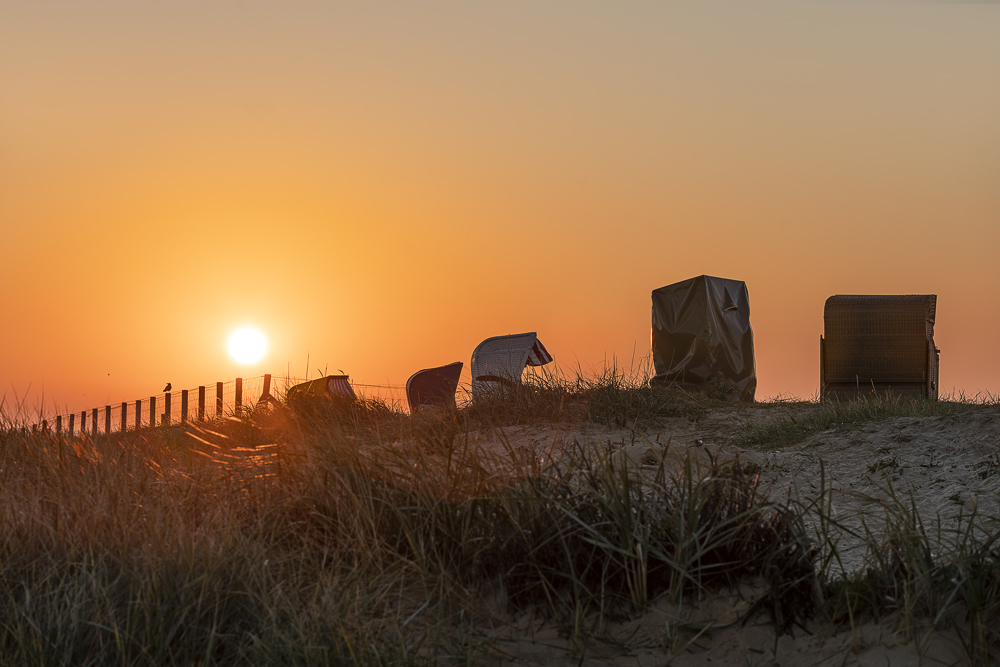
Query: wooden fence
[231, 398]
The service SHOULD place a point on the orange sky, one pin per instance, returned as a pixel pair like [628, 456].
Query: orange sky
[381, 188]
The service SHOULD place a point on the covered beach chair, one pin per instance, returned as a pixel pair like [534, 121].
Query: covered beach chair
[433, 387]
[702, 340]
[331, 386]
[499, 361]
[878, 344]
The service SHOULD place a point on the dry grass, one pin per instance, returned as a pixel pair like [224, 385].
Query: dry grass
[785, 430]
[352, 534]
[614, 397]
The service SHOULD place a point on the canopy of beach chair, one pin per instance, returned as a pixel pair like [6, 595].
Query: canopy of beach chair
[500, 360]
[331, 386]
[702, 339]
[434, 387]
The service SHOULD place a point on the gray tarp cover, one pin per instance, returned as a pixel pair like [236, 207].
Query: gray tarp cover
[702, 340]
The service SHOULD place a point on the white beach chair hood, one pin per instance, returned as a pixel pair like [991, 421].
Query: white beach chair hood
[501, 359]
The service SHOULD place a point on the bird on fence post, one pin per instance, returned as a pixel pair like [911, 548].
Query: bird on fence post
[167, 388]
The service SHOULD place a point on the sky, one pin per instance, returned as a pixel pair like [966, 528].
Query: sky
[380, 186]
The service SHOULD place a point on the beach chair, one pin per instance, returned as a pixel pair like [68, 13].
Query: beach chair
[499, 361]
[878, 344]
[702, 340]
[434, 387]
[331, 386]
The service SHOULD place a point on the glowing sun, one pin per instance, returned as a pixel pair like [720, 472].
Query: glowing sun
[247, 345]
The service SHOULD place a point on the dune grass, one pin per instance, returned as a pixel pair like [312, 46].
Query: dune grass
[353, 534]
[613, 396]
[784, 430]
[920, 576]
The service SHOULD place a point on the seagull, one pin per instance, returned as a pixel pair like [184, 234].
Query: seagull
[167, 388]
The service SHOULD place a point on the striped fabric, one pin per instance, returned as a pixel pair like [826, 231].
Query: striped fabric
[340, 385]
[538, 356]
[329, 386]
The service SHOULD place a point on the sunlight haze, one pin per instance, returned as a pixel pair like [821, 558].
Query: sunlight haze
[380, 187]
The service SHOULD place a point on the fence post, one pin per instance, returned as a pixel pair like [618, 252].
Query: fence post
[83, 422]
[138, 414]
[45, 425]
[166, 408]
[58, 424]
[152, 411]
[72, 416]
[184, 405]
[201, 403]
[239, 396]
[107, 420]
[219, 405]
[93, 427]
[267, 387]
[124, 419]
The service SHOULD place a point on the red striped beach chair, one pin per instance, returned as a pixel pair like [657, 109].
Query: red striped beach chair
[499, 361]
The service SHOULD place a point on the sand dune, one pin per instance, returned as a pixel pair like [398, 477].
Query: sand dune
[945, 465]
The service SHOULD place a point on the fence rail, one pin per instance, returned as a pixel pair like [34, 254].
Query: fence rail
[222, 399]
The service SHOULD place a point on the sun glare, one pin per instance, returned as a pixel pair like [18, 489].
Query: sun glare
[247, 345]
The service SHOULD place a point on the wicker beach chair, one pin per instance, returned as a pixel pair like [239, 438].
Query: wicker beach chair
[879, 344]
[433, 387]
[499, 361]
